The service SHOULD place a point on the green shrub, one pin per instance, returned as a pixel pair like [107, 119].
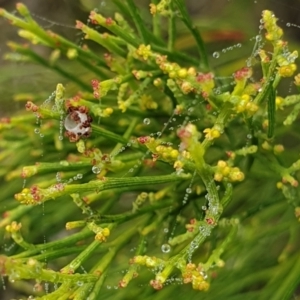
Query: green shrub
[151, 162]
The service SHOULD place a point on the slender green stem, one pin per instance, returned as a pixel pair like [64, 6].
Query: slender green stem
[288, 284]
[130, 215]
[126, 136]
[268, 81]
[200, 44]
[171, 28]
[70, 240]
[156, 22]
[139, 23]
[79, 260]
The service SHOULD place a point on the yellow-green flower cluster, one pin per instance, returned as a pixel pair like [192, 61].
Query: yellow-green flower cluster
[159, 150]
[161, 8]
[286, 64]
[193, 274]
[212, 133]
[244, 104]
[144, 51]
[147, 102]
[225, 172]
[274, 32]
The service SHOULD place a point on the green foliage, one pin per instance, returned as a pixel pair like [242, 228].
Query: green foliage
[153, 163]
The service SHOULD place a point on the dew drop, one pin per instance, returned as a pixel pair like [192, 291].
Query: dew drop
[216, 54]
[79, 283]
[179, 172]
[166, 230]
[146, 121]
[36, 131]
[158, 133]
[79, 176]
[288, 24]
[258, 38]
[203, 274]
[204, 230]
[60, 137]
[165, 248]
[58, 177]
[204, 207]
[188, 190]
[96, 170]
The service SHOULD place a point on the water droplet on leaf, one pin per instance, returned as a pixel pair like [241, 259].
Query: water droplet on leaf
[96, 170]
[216, 54]
[146, 121]
[165, 248]
[188, 190]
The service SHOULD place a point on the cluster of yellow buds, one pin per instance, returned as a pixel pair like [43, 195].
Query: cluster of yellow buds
[144, 51]
[226, 172]
[13, 227]
[102, 235]
[164, 152]
[147, 102]
[179, 163]
[287, 67]
[277, 149]
[187, 79]
[167, 153]
[212, 133]
[196, 276]
[150, 262]
[287, 178]
[274, 32]
[287, 71]
[244, 104]
[161, 8]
